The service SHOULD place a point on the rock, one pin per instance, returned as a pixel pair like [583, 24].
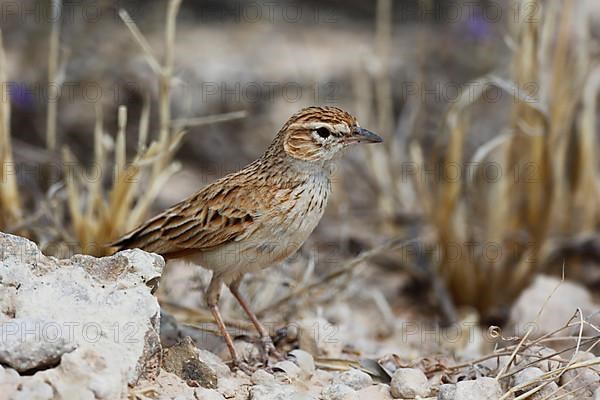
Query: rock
[339, 391]
[408, 383]
[208, 394]
[97, 314]
[214, 362]
[491, 366]
[234, 387]
[29, 344]
[530, 375]
[262, 377]
[277, 391]
[304, 360]
[171, 387]
[558, 306]
[581, 377]
[479, 389]
[597, 394]
[535, 354]
[183, 361]
[321, 378]
[447, 392]
[375, 392]
[354, 378]
[291, 370]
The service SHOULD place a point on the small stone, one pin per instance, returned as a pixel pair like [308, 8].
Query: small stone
[375, 392]
[214, 362]
[321, 378]
[479, 389]
[556, 310]
[535, 354]
[276, 392]
[491, 366]
[585, 378]
[354, 378]
[447, 392]
[171, 387]
[408, 383]
[182, 360]
[339, 391]
[531, 374]
[27, 344]
[231, 387]
[304, 360]
[290, 369]
[262, 377]
[208, 394]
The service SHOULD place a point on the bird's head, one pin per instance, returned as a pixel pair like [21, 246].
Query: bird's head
[319, 133]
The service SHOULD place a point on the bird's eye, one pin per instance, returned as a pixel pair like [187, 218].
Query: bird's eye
[323, 132]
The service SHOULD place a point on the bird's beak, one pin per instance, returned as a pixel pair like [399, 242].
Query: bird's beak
[361, 135]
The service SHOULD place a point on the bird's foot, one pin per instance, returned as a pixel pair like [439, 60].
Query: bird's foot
[269, 349]
[237, 364]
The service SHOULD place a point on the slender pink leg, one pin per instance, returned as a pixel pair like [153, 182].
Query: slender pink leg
[265, 338]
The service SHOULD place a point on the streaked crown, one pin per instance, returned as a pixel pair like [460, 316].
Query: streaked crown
[319, 133]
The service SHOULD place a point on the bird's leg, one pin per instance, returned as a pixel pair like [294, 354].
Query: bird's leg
[212, 299]
[265, 338]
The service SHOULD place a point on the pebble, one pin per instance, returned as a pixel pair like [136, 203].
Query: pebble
[262, 377]
[408, 383]
[479, 389]
[304, 360]
[375, 392]
[339, 391]
[208, 394]
[354, 378]
[291, 370]
[277, 391]
[447, 392]
[581, 377]
[531, 374]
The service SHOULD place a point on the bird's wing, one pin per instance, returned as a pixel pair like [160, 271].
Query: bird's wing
[218, 214]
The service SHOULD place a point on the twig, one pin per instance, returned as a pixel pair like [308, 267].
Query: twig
[530, 329]
[393, 243]
[141, 40]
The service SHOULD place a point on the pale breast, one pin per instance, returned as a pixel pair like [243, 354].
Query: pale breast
[279, 233]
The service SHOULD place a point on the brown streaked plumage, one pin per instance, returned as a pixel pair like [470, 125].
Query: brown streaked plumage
[258, 216]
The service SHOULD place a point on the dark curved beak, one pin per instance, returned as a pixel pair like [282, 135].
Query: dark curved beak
[362, 135]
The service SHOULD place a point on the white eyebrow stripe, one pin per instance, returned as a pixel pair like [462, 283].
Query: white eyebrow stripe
[338, 128]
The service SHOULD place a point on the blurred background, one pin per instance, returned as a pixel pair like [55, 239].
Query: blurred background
[488, 177]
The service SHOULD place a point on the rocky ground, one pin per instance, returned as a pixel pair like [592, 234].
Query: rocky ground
[89, 328]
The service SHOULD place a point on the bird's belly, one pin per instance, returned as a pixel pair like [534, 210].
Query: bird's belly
[278, 235]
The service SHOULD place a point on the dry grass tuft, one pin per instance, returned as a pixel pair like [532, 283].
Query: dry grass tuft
[538, 197]
[100, 210]
[493, 235]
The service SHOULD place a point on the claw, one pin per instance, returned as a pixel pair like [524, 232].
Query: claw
[237, 364]
[269, 349]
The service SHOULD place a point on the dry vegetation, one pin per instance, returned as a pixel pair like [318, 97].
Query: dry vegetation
[546, 154]
[101, 210]
[496, 230]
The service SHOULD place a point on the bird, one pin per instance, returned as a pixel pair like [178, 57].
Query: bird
[258, 216]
